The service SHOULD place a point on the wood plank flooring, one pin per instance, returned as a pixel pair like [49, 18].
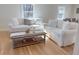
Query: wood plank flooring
[50, 48]
[69, 49]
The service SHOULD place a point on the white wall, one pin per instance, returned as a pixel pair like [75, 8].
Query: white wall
[75, 14]
[49, 11]
[7, 12]
[68, 10]
[46, 11]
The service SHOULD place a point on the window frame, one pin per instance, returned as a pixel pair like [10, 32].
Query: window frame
[28, 13]
[61, 12]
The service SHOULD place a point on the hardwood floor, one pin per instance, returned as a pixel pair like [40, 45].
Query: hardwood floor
[50, 48]
[69, 49]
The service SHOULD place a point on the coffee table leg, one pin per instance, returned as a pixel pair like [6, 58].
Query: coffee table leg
[14, 43]
[44, 38]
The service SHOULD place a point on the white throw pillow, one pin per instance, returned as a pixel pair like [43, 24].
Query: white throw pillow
[37, 27]
[15, 21]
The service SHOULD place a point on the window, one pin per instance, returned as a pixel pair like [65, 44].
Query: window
[61, 13]
[27, 10]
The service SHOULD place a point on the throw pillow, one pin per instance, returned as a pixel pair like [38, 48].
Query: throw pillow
[27, 22]
[15, 21]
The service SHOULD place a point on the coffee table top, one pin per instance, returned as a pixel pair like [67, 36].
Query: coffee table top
[24, 34]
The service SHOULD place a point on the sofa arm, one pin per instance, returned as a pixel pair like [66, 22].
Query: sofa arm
[68, 37]
[68, 31]
[19, 28]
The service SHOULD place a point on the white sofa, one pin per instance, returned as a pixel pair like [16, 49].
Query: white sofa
[16, 25]
[63, 33]
[21, 25]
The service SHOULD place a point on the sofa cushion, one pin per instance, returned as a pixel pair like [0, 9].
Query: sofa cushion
[37, 27]
[19, 28]
[60, 24]
[70, 25]
[52, 23]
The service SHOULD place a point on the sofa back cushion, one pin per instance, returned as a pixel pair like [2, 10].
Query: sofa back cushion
[60, 23]
[70, 25]
[52, 23]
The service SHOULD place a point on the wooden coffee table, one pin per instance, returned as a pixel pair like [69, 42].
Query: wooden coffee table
[21, 39]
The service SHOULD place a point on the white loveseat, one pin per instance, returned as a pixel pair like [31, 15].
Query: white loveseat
[22, 25]
[63, 33]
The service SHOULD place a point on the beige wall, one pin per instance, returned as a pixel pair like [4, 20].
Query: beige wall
[75, 7]
[46, 11]
[7, 12]
[49, 11]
